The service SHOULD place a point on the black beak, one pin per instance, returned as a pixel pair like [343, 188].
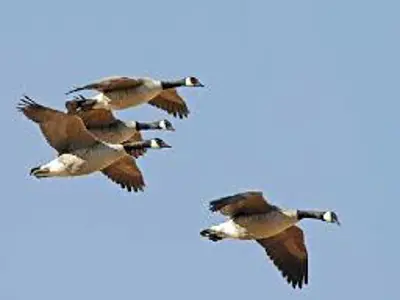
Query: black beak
[336, 219]
[165, 145]
[200, 84]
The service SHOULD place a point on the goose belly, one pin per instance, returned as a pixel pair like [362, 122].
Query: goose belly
[113, 135]
[121, 99]
[97, 158]
[265, 225]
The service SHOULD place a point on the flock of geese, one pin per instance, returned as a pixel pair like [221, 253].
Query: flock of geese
[89, 138]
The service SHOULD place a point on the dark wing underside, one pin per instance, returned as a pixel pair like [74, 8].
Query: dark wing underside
[126, 173]
[289, 254]
[136, 137]
[170, 101]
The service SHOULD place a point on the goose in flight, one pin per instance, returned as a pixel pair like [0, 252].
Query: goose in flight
[119, 92]
[251, 217]
[104, 126]
[80, 152]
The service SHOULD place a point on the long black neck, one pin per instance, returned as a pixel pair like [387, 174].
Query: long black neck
[172, 84]
[147, 126]
[310, 214]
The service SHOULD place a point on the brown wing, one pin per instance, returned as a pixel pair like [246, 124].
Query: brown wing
[62, 131]
[289, 254]
[243, 203]
[109, 84]
[126, 173]
[96, 117]
[136, 137]
[171, 102]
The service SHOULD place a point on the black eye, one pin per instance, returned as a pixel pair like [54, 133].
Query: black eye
[194, 80]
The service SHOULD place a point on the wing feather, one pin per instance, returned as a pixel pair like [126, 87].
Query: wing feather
[288, 252]
[64, 132]
[170, 101]
[126, 173]
[97, 117]
[109, 84]
[251, 202]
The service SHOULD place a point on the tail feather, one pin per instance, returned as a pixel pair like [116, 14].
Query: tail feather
[211, 235]
[79, 104]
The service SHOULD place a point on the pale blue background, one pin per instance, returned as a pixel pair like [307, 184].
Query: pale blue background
[302, 101]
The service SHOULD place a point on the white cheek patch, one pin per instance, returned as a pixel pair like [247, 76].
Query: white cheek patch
[154, 144]
[188, 82]
[328, 216]
[163, 125]
[131, 124]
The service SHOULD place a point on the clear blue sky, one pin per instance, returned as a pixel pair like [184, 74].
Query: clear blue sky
[302, 102]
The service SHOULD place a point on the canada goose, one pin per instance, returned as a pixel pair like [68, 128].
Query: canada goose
[253, 218]
[120, 92]
[80, 152]
[104, 126]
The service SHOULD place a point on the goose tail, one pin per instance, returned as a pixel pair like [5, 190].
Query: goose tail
[211, 235]
[80, 103]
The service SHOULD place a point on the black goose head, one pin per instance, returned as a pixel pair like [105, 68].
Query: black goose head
[165, 125]
[158, 143]
[330, 217]
[193, 82]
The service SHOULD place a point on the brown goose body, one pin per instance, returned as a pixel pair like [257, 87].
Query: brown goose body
[120, 92]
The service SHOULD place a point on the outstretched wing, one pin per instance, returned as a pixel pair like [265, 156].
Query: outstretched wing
[136, 137]
[62, 131]
[170, 101]
[243, 203]
[126, 173]
[109, 84]
[289, 254]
